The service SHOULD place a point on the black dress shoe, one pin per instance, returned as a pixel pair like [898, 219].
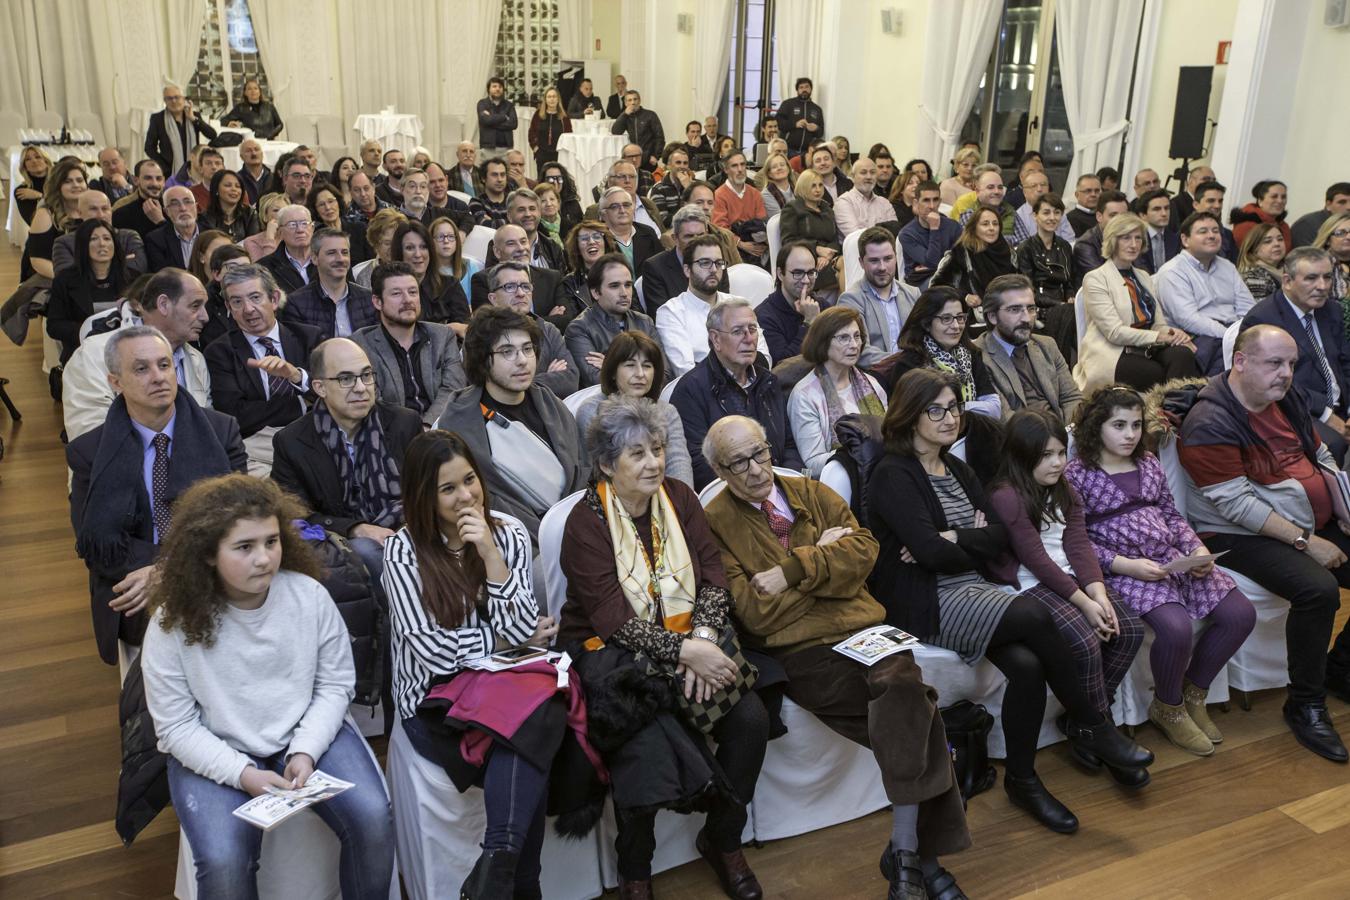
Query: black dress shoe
[1311, 725]
[1104, 742]
[732, 871]
[1030, 794]
[941, 885]
[902, 869]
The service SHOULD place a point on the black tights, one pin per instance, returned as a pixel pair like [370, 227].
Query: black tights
[1031, 652]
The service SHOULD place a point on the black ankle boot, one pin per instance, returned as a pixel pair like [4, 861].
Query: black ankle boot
[1105, 742]
[493, 877]
[1031, 795]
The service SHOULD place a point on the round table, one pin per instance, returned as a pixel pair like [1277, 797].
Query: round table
[588, 157]
[394, 131]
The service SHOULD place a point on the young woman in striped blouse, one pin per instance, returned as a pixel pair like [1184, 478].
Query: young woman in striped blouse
[459, 584]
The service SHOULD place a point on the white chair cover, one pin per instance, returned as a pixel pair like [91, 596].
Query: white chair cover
[460, 196]
[476, 244]
[715, 487]
[438, 831]
[669, 389]
[775, 232]
[299, 861]
[637, 289]
[853, 269]
[835, 476]
[550, 550]
[749, 281]
[576, 399]
[1229, 339]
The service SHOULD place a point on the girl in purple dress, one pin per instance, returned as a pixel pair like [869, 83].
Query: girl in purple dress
[1137, 531]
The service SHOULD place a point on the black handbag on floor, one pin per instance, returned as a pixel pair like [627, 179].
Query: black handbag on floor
[968, 726]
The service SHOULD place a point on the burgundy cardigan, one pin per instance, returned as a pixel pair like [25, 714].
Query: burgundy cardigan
[1027, 549]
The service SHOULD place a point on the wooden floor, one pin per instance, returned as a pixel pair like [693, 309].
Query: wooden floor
[1262, 818]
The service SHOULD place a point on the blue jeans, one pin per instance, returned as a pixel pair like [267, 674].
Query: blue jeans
[225, 848]
[371, 553]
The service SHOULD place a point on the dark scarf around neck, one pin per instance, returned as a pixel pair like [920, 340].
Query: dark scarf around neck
[993, 261]
[370, 486]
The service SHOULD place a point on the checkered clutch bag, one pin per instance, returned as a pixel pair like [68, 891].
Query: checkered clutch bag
[704, 716]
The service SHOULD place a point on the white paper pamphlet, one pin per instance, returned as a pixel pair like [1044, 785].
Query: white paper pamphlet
[1186, 563]
[269, 810]
[876, 643]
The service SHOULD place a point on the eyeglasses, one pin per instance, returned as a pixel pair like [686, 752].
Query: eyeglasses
[446, 239]
[619, 205]
[846, 340]
[938, 413]
[590, 237]
[740, 332]
[298, 226]
[555, 179]
[949, 319]
[802, 274]
[708, 264]
[760, 457]
[1341, 232]
[511, 354]
[347, 381]
[515, 287]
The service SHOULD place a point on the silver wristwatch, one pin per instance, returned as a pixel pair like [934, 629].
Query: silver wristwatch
[705, 633]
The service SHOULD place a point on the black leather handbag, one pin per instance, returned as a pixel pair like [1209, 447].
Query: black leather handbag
[968, 725]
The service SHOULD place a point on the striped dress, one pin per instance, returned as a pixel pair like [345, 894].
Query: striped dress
[970, 607]
[424, 650]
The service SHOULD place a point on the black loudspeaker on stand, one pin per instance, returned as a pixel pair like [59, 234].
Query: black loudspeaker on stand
[1190, 117]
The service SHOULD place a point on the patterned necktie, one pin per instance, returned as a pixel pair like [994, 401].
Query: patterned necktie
[276, 385]
[1329, 379]
[777, 524]
[159, 484]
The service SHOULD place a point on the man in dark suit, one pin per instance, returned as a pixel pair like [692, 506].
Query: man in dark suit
[1209, 198]
[257, 371]
[551, 299]
[637, 241]
[1322, 374]
[615, 104]
[311, 460]
[290, 264]
[663, 275]
[1161, 243]
[170, 245]
[330, 303]
[1087, 250]
[173, 131]
[154, 444]
[1028, 369]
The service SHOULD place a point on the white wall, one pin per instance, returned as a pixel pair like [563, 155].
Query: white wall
[1319, 132]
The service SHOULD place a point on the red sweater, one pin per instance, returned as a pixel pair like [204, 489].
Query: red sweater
[729, 209]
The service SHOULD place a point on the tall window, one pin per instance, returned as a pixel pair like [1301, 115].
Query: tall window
[527, 56]
[227, 56]
[759, 91]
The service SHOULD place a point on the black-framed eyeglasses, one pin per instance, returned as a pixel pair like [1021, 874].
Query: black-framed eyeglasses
[949, 319]
[763, 456]
[937, 413]
[708, 264]
[802, 274]
[347, 381]
[515, 287]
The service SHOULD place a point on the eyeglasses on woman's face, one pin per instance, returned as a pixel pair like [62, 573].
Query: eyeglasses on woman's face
[937, 413]
[947, 320]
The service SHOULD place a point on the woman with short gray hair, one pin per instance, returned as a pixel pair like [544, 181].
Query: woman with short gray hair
[647, 593]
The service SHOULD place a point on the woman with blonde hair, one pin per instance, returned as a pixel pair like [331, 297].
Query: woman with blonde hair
[264, 243]
[34, 167]
[1127, 338]
[548, 123]
[775, 183]
[963, 179]
[808, 217]
[1259, 260]
[1334, 237]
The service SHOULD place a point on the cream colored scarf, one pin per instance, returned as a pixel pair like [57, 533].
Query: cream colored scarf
[660, 589]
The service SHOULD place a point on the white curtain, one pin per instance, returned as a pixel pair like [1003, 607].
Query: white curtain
[574, 29]
[798, 26]
[181, 36]
[713, 25]
[1096, 56]
[960, 36]
[275, 22]
[20, 70]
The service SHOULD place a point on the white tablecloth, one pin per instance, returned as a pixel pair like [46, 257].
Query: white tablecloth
[14, 223]
[394, 131]
[588, 157]
[272, 151]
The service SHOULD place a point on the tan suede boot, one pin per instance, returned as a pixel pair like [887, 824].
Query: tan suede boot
[1176, 723]
[1194, 697]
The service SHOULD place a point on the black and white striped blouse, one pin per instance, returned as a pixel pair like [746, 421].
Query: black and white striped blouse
[423, 649]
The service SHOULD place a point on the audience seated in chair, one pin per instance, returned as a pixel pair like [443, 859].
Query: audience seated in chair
[797, 564]
[1128, 338]
[1026, 369]
[152, 445]
[1201, 291]
[862, 207]
[739, 207]
[1254, 464]
[342, 459]
[1161, 241]
[141, 210]
[329, 303]
[637, 240]
[527, 443]
[212, 653]
[93, 284]
[443, 299]
[663, 275]
[258, 369]
[675, 611]
[1136, 531]
[940, 543]
[174, 303]
[489, 205]
[170, 243]
[786, 314]
[551, 299]
[884, 301]
[417, 363]
[610, 282]
[730, 381]
[292, 263]
[927, 237]
[512, 288]
[682, 322]
[130, 248]
[1087, 250]
[979, 256]
[832, 388]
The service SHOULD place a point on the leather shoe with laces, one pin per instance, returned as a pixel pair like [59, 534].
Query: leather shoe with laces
[1311, 725]
[1031, 795]
[902, 869]
[732, 871]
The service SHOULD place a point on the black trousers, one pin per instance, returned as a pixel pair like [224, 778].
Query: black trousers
[1144, 372]
[1313, 594]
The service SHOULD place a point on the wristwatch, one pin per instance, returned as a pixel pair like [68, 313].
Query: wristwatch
[1301, 542]
[703, 632]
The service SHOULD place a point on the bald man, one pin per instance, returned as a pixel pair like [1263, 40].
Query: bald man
[1256, 488]
[254, 173]
[94, 205]
[170, 244]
